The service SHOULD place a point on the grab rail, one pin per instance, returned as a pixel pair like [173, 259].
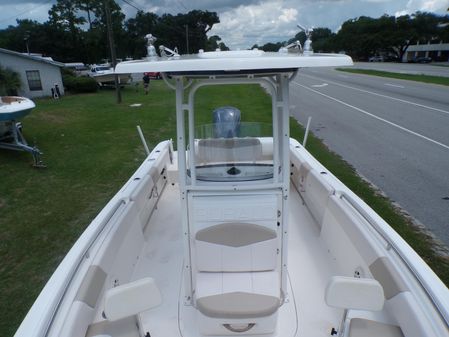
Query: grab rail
[442, 309]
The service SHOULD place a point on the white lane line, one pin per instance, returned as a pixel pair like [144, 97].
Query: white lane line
[319, 85]
[380, 95]
[394, 85]
[374, 116]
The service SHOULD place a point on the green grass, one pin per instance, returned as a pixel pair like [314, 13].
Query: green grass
[91, 147]
[440, 65]
[409, 77]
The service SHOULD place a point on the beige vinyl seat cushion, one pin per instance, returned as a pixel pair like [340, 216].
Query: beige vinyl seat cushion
[359, 327]
[238, 295]
[235, 234]
[126, 327]
[236, 247]
[238, 305]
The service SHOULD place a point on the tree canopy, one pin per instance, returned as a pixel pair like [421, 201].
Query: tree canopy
[76, 32]
[365, 36]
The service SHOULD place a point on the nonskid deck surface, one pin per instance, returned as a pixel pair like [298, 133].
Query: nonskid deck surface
[162, 259]
[310, 268]
[309, 271]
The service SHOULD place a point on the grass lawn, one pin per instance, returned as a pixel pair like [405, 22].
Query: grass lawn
[91, 147]
[417, 78]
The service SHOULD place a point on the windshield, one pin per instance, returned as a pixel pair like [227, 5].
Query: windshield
[230, 152]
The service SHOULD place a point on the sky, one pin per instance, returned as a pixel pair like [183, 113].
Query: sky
[244, 23]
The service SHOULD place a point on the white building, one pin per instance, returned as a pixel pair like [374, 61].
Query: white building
[38, 75]
[437, 51]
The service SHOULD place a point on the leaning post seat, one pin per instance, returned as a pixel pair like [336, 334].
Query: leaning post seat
[237, 284]
[236, 247]
[235, 252]
[237, 303]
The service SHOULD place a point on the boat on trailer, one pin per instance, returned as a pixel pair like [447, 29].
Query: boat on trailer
[12, 108]
[104, 75]
[237, 232]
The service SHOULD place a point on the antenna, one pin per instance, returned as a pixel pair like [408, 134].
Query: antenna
[151, 51]
[308, 44]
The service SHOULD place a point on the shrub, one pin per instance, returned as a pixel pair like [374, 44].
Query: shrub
[9, 82]
[78, 85]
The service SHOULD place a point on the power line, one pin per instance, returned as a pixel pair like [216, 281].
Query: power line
[182, 4]
[132, 4]
[25, 12]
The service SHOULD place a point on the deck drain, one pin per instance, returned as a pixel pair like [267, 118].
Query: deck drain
[445, 198]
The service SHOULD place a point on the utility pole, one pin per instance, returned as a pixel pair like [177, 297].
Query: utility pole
[107, 8]
[27, 38]
[187, 37]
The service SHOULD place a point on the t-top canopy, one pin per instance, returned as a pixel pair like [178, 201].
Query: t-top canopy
[245, 61]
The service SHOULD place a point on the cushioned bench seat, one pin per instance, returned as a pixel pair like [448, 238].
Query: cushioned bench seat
[227, 300]
[366, 328]
[238, 305]
[236, 247]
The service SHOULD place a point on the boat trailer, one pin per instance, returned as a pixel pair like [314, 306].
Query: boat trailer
[11, 138]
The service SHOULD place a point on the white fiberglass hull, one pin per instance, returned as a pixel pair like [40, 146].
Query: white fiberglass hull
[108, 78]
[13, 107]
[332, 233]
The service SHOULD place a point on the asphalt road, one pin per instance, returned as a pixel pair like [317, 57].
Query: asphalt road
[394, 132]
[407, 68]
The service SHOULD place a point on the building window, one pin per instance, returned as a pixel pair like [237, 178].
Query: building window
[34, 80]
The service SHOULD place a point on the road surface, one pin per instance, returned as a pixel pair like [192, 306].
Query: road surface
[406, 68]
[394, 132]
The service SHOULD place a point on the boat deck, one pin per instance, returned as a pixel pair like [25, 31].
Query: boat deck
[309, 270]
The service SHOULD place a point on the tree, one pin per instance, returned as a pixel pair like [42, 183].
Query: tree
[136, 30]
[214, 42]
[362, 37]
[322, 40]
[9, 82]
[63, 15]
[192, 27]
[91, 7]
[272, 46]
[16, 37]
[65, 24]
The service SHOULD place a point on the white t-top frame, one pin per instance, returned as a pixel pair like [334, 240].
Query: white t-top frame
[277, 87]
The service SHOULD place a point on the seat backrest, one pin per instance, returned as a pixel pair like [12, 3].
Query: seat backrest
[354, 293]
[131, 298]
[233, 247]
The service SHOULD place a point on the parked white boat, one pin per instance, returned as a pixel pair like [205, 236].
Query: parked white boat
[12, 108]
[237, 233]
[104, 75]
[15, 107]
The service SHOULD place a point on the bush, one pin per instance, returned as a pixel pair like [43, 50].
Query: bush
[77, 85]
[9, 82]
